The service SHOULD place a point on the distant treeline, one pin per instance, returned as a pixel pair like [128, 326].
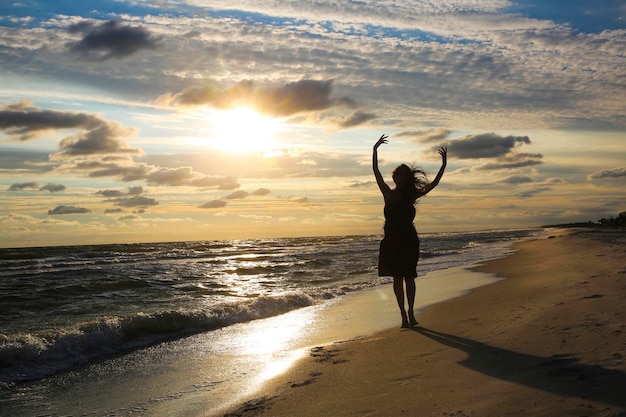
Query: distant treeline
[619, 221]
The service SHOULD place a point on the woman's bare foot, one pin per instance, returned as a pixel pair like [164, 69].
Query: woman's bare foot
[405, 322]
[412, 321]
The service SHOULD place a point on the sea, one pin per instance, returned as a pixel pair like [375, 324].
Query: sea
[70, 314]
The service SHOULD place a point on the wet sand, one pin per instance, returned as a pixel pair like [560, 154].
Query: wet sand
[549, 340]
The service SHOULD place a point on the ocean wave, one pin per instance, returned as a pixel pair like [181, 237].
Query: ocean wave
[26, 357]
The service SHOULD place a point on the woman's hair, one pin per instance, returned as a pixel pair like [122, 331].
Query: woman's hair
[410, 181]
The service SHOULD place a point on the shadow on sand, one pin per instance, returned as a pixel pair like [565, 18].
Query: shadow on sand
[559, 374]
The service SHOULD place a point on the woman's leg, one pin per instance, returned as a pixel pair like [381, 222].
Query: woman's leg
[398, 289]
[410, 297]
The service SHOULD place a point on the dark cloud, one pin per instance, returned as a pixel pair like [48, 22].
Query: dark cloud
[108, 138]
[113, 210]
[25, 160]
[503, 149]
[110, 193]
[357, 118]
[119, 193]
[532, 193]
[59, 210]
[136, 190]
[135, 201]
[128, 217]
[486, 145]
[53, 188]
[110, 40]
[126, 172]
[292, 98]
[23, 122]
[23, 185]
[237, 195]
[517, 179]
[171, 176]
[261, 192]
[425, 136]
[214, 204]
[608, 173]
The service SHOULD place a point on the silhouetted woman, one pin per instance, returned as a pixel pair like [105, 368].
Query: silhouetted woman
[400, 247]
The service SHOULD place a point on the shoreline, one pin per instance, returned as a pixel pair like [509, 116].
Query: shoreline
[547, 340]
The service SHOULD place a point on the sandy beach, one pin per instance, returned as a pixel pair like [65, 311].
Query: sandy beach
[549, 340]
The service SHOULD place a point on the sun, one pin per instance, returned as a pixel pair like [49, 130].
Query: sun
[241, 130]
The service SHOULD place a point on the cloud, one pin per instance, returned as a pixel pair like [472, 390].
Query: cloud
[110, 193]
[135, 201]
[122, 199]
[532, 193]
[170, 176]
[233, 185]
[119, 193]
[516, 179]
[554, 180]
[214, 204]
[24, 160]
[357, 118]
[512, 161]
[107, 138]
[261, 192]
[128, 217]
[221, 182]
[23, 185]
[297, 200]
[136, 190]
[300, 200]
[59, 210]
[110, 40]
[493, 146]
[287, 100]
[485, 145]
[608, 173]
[23, 122]
[113, 210]
[237, 195]
[425, 136]
[51, 187]
[127, 170]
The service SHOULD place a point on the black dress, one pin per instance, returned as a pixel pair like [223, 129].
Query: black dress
[400, 247]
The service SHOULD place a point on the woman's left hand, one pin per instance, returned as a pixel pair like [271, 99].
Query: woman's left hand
[383, 139]
[444, 154]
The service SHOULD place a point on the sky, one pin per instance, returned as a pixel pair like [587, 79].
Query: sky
[175, 120]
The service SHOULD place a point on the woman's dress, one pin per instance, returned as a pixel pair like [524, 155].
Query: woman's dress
[400, 247]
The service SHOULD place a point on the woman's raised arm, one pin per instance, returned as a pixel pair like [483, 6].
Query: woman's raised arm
[444, 160]
[384, 188]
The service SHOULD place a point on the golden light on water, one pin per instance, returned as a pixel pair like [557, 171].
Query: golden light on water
[277, 341]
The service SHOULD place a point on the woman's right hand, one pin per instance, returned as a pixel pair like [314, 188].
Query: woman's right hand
[383, 139]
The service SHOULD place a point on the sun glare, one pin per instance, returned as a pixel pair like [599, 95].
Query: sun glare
[241, 130]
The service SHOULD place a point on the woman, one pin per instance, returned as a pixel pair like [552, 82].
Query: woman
[399, 249]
